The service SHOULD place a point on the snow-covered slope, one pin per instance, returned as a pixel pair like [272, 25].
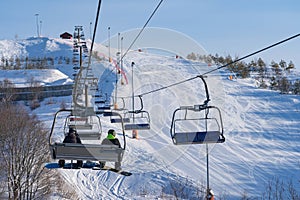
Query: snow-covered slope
[28, 51]
[261, 130]
[36, 48]
[44, 77]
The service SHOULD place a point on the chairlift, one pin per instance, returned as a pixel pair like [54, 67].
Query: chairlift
[116, 119]
[104, 107]
[86, 152]
[76, 67]
[102, 102]
[206, 123]
[120, 107]
[139, 119]
[99, 101]
[88, 127]
[198, 124]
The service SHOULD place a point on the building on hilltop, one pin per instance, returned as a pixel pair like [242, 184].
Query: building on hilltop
[66, 35]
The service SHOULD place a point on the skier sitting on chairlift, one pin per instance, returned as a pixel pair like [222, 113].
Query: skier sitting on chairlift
[71, 137]
[111, 140]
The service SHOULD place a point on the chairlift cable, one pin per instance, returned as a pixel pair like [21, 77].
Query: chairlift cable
[138, 35]
[198, 76]
[135, 37]
[174, 84]
[89, 60]
[251, 54]
[94, 33]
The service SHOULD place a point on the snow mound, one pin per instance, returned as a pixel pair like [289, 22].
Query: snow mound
[42, 77]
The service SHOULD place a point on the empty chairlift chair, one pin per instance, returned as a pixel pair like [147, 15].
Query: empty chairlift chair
[138, 119]
[120, 107]
[115, 119]
[198, 124]
[102, 102]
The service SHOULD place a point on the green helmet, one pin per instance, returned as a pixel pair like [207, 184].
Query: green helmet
[112, 132]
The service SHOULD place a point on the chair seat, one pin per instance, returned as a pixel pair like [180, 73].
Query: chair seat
[137, 126]
[117, 120]
[198, 137]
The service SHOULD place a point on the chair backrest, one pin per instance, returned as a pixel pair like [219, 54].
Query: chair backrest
[71, 151]
[88, 128]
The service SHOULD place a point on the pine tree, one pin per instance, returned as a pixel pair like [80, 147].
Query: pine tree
[191, 56]
[296, 87]
[261, 69]
[253, 65]
[243, 70]
[221, 60]
[282, 64]
[284, 85]
[275, 68]
[290, 66]
[273, 83]
[228, 60]
[17, 63]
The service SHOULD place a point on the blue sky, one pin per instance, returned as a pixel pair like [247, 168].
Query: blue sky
[220, 26]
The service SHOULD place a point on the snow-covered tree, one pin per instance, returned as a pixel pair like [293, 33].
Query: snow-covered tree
[261, 69]
[282, 64]
[284, 85]
[290, 66]
[192, 56]
[296, 87]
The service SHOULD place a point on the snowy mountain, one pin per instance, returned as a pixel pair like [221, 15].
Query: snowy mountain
[261, 130]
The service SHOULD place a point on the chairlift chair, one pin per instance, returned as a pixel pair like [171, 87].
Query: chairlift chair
[103, 103]
[104, 106]
[138, 119]
[198, 124]
[115, 119]
[86, 152]
[88, 128]
[120, 107]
